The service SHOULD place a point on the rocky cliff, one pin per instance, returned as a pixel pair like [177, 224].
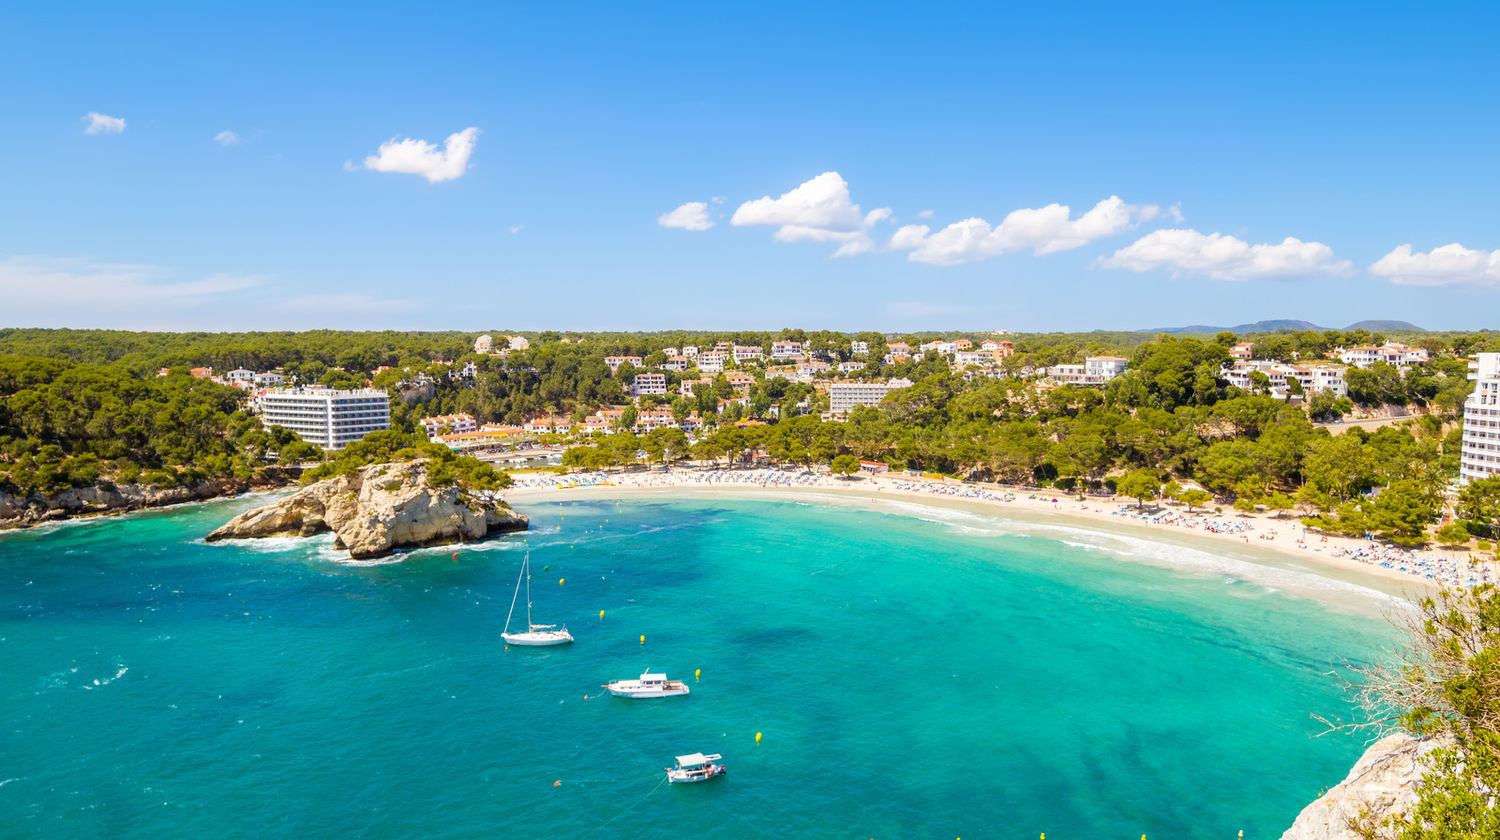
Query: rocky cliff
[381, 508]
[24, 511]
[1382, 784]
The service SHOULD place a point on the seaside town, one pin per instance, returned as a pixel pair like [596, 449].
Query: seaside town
[678, 397]
[818, 420]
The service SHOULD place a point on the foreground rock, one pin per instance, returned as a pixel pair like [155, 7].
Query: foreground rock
[381, 508]
[1382, 784]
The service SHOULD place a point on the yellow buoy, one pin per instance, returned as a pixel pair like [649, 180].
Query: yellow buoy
[601, 613]
[643, 640]
[560, 581]
[757, 737]
[697, 673]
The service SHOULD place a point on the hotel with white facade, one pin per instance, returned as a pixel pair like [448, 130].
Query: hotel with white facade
[326, 418]
[844, 396]
[1480, 455]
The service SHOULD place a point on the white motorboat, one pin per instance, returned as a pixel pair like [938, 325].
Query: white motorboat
[536, 635]
[649, 685]
[696, 768]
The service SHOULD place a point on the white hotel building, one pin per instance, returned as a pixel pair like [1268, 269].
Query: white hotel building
[844, 396]
[1480, 455]
[330, 419]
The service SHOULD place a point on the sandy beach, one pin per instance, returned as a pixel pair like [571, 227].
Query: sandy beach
[1262, 539]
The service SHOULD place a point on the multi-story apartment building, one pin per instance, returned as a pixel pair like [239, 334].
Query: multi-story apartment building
[1312, 377]
[744, 353]
[712, 361]
[1480, 455]
[859, 348]
[1095, 370]
[1393, 353]
[677, 363]
[649, 383]
[787, 350]
[844, 396]
[614, 362]
[326, 418]
[456, 423]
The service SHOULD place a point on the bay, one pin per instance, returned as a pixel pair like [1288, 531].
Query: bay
[910, 678]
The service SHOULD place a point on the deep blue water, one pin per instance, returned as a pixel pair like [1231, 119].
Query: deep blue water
[911, 678]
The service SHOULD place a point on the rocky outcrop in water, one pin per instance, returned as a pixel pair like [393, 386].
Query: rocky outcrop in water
[1382, 784]
[377, 510]
[104, 498]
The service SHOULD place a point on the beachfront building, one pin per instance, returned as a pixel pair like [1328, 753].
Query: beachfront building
[851, 367]
[649, 383]
[690, 351]
[456, 423]
[844, 396]
[1242, 351]
[1480, 455]
[325, 417]
[745, 353]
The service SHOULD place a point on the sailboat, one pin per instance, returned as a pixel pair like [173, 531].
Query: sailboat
[536, 635]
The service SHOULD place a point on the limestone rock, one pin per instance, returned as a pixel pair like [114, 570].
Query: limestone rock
[381, 508]
[1383, 783]
[18, 511]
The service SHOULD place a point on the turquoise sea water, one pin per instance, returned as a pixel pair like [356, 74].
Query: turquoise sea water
[912, 678]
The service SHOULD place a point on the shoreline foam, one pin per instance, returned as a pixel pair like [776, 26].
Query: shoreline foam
[1322, 567]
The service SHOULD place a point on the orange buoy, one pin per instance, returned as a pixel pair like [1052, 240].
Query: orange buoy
[557, 783]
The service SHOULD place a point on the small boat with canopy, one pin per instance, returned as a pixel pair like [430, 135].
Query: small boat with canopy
[696, 767]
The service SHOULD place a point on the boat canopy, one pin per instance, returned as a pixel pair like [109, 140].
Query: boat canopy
[696, 758]
[653, 677]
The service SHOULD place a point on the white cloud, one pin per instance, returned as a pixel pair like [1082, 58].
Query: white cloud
[690, 216]
[818, 210]
[1447, 265]
[227, 138]
[516, 228]
[418, 157]
[924, 214]
[1224, 257]
[1044, 230]
[42, 291]
[103, 124]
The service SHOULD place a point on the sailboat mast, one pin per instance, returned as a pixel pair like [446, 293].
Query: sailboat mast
[528, 593]
[517, 594]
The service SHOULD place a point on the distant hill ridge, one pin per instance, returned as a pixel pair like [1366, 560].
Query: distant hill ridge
[1292, 324]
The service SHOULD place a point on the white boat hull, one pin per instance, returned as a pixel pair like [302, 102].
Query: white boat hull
[688, 776]
[620, 690]
[540, 638]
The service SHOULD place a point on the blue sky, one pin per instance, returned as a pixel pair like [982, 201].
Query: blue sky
[1188, 143]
